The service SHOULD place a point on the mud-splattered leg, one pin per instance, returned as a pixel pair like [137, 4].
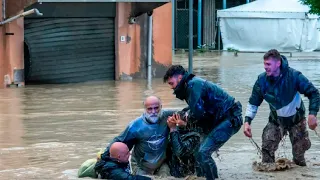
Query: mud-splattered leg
[271, 138]
[216, 138]
[299, 138]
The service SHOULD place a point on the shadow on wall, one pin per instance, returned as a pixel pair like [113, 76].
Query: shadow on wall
[13, 7]
[158, 69]
[27, 63]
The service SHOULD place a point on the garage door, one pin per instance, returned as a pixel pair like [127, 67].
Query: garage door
[67, 50]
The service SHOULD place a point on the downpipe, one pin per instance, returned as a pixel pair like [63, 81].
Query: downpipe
[150, 46]
[32, 11]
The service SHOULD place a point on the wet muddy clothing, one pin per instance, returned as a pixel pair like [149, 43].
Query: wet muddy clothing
[208, 103]
[215, 112]
[182, 147]
[162, 171]
[149, 141]
[110, 168]
[287, 111]
[212, 142]
[283, 96]
[272, 135]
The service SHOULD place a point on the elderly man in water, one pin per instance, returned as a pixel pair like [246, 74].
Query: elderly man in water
[148, 136]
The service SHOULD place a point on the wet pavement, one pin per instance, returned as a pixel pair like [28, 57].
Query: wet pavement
[47, 131]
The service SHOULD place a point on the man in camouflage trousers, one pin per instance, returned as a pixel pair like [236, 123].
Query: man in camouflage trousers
[281, 87]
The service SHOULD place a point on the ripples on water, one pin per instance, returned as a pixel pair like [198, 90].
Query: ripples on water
[47, 131]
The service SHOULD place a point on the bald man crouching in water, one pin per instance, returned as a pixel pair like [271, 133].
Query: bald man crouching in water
[117, 165]
[148, 136]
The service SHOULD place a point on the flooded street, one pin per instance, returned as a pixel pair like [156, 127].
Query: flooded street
[47, 131]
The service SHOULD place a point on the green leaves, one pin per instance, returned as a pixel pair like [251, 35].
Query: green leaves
[313, 4]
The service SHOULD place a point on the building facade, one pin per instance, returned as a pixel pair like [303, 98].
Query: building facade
[79, 42]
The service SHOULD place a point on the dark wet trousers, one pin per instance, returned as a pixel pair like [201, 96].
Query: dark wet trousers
[272, 135]
[205, 165]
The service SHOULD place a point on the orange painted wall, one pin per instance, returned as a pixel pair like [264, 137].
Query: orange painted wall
[128, 52]
[14, 46]
[11, 50]
[162, 34]
[2, 65]
[131, 57]
[13, 7]
[3, 62]
[11, 47]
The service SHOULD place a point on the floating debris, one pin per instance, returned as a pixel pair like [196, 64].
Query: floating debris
[316, 164]
[280, 165]
[308, 175]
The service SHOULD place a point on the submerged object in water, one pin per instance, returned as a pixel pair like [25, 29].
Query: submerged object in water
[87, 169]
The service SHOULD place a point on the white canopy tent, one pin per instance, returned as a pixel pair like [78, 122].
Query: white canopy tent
[266, 24]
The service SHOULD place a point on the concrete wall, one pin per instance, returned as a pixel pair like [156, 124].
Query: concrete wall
[162, 35]
[14, 46]
[11, 46]
[131, 55]
[2, 49]
[13, 7]
[128, 52]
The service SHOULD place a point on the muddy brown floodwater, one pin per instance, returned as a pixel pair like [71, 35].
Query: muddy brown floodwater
[47, 131]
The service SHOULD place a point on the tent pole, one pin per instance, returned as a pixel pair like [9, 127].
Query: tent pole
[224, 6]
[190, 35]
[219, 35]
[199, 22]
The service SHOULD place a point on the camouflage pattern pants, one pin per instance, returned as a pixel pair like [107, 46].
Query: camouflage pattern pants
[272, 135]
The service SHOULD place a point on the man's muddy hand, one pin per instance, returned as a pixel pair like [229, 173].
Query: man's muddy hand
[247, 130]
[312, 122]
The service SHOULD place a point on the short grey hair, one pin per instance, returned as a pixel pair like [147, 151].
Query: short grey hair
[144, 102]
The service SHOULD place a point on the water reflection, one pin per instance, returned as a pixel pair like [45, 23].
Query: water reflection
[11, 110]
[11, 128]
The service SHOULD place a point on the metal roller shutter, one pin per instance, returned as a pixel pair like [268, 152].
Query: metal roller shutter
[68, 50]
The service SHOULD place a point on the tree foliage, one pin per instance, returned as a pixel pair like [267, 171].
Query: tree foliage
[313, 4]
